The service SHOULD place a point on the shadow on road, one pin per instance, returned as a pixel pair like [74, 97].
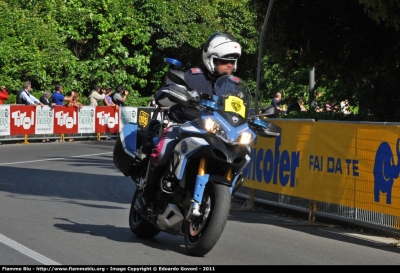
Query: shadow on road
[162, 241]
[80, 180]
[269, 217]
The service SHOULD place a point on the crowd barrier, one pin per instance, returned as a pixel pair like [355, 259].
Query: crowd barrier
[30, 121]
[350, 169]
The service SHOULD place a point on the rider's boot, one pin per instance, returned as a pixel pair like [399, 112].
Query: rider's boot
[152, 180]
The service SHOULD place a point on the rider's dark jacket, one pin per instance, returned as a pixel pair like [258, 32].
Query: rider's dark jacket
[197, 78]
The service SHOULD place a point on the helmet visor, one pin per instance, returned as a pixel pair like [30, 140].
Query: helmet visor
[224, 61]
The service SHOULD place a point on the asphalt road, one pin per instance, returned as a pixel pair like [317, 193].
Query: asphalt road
[67, 204]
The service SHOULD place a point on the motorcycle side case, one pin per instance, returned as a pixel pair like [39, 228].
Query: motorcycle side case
[124, 155]
[132, 149]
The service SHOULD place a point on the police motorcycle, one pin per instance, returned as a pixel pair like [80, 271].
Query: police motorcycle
[193, 196]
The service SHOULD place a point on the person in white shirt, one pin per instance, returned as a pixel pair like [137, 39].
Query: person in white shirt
[345, 107]
[26, 97]
[95, 96]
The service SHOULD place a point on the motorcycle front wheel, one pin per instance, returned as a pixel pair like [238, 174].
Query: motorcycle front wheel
[203, 232]
[139, 226]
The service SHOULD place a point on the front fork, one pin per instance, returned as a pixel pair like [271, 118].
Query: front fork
[201, 182]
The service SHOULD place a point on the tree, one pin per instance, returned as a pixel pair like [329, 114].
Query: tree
[30, 49]
[356, 57]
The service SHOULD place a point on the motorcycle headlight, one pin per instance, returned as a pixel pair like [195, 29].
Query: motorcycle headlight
[211, 125]
[245, 138]
[214, 127]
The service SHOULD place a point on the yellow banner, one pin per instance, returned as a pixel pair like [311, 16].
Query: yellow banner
[350, 164]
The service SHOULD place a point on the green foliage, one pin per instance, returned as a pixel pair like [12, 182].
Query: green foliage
[30, 49]
[383, 12]
[353, 56]
[135, 99]
[12, 98]
[47, 44]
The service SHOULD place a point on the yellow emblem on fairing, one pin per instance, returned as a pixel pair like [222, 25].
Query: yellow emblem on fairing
[235, 104]
[143, 118]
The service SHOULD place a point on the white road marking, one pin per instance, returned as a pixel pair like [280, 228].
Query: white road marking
[51, 159]
[26, 251]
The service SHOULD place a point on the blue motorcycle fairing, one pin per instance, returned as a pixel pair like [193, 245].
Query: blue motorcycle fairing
[201, 182]
[185, 148]
[192, 127]
[201, 150]
[218, 150]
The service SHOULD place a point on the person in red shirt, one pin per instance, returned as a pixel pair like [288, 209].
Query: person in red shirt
[3, 94]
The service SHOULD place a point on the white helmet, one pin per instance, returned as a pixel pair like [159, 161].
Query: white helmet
[221, 45]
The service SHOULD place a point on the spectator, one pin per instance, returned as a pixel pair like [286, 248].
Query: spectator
[75, 100]
[293, 105]
[153, 103]
[70, 94]
[329, 107]
[58, 98]
[25, 87]
[46, 100]
[318, 103]
[95, 96]
[120, 96]
[107, 99]
[345, 107]
[3, 94]
[24, 96]
[302, 102]
[276, 102]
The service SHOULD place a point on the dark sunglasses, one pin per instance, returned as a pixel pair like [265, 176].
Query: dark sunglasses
[223, 61]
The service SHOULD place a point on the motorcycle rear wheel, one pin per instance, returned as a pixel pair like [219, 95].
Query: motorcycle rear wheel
[202, 233]
[139, 226]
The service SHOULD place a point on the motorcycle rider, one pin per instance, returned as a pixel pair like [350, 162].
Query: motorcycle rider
[220, 56]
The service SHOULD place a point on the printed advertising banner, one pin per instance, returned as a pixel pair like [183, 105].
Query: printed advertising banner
[65, 120]
[44, 120]
[107, 120]
[30, 120]
[86, 120]
[5, 120]
[349, 164]
[128, 114]
[22, 119]
[277, 164]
